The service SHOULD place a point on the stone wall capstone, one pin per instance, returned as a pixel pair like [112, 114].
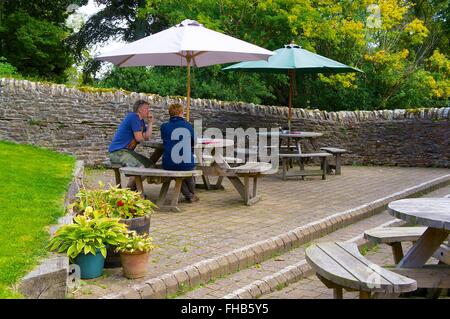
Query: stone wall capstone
[82, 122]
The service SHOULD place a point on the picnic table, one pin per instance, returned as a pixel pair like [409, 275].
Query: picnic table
[202, 143]
[290, 149]
[434, 214]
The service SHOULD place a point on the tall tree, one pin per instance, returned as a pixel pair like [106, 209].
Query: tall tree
[32, 35]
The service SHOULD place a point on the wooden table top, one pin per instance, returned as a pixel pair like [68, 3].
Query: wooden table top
[431, 212]
[293, 134]
[201, 142]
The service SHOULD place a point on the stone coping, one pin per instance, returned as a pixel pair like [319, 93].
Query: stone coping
[203, 271]
[49, 279]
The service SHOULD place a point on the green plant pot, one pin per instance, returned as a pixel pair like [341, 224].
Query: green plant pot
[91, 266]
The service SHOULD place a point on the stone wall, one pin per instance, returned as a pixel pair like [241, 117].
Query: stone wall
[82, 122]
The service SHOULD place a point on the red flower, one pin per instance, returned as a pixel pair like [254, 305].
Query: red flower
[120, 203]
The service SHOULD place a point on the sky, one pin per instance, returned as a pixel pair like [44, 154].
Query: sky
[88, 10]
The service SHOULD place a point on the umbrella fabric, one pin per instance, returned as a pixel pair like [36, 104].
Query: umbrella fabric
[292, 60]
[185, 44]
[293, 57]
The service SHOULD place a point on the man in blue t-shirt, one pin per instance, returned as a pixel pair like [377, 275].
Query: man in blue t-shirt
[179, 139]
[132, 131]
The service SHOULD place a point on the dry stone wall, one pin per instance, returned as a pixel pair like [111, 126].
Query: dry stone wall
[82, 122]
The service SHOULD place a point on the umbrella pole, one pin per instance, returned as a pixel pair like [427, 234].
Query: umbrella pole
[291, 93]
[188, 96]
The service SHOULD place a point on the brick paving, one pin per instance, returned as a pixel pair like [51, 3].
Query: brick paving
[220, 223]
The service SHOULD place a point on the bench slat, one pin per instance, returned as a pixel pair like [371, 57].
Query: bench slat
[251, 167]
[387, 235]
[334, 150]
[342, 264]
[303, 155]
[156, 172]
[398, 282]
[348, 261]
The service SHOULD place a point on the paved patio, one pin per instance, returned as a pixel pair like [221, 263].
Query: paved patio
[220, 223]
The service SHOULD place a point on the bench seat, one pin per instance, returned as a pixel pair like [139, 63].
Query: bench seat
[340, 265]
[166, 177]
[394, 236]
[115, 167]
[286, 157]
[337, 152]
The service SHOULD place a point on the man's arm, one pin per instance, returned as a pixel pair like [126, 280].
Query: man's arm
[148, 133]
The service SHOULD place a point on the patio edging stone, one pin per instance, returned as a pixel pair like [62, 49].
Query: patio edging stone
[201, 272]
[49, 279]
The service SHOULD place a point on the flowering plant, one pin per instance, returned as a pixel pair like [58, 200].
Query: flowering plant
[135, 244]
[114, 202]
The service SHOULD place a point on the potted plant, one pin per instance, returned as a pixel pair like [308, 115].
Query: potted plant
[86, 240]
[115, 202]
[134, 253]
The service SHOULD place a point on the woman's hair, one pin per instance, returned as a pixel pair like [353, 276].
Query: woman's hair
[137, 105]
[175, 109]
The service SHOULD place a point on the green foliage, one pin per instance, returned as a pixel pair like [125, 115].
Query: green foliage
[34, 46]
[88, 235]
[6, 69]
[113, 202]
[398, 57]
[27, 210]
[136, 244]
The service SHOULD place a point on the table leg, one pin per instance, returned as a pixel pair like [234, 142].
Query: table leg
[424, 248]
[163, 193]
[156, 155]
[139, 185]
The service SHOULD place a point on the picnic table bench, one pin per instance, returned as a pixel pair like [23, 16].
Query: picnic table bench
[341, 266]
[116, 168]
[166, 177]
[394, 236]
[337, 152]
[286, 158]
[250, 172]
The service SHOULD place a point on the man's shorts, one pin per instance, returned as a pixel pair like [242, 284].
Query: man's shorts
[129, 158]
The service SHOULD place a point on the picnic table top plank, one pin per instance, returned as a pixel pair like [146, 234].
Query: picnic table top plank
[431, 212]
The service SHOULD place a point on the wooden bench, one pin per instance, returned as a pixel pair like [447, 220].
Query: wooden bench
[286, 158]
[208, 160]
[116, 168]
[341, 266]
[249, 172]
[337, 152]
[166, 176]
[394, 236]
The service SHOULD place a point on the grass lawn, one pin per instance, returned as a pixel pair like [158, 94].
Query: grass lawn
[33, 185]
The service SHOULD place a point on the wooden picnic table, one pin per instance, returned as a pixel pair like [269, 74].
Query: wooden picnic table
[202, 143]
[294, 138]
[434, 213]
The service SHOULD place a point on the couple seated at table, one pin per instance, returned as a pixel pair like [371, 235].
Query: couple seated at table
[134, 130]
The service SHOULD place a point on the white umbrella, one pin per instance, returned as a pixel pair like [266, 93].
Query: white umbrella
[185, 44]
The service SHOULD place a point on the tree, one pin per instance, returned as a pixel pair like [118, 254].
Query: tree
[32, 36]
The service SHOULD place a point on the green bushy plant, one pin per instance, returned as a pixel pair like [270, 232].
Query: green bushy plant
[136, 244]
[88, 235]
[114, 202]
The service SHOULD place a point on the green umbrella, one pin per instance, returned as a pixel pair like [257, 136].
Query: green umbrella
[293, 60]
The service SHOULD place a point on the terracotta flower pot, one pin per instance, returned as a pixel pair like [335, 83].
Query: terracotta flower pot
[134, 265]
[139, 224]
